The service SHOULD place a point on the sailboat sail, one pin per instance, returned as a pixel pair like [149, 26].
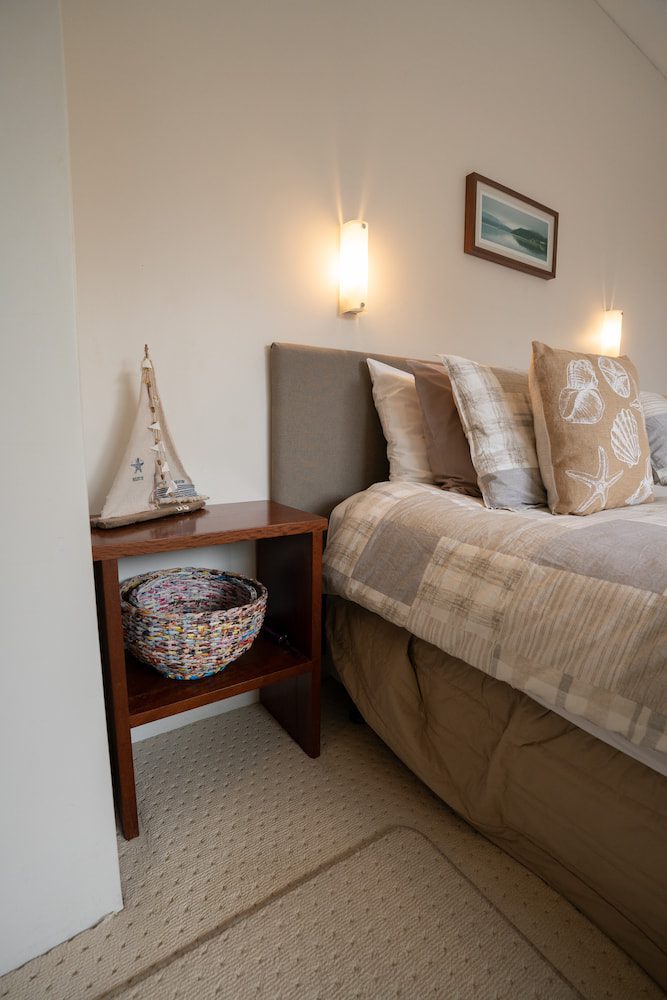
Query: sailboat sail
[151, 481]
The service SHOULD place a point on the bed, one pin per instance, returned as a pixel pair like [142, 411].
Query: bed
[568, 782]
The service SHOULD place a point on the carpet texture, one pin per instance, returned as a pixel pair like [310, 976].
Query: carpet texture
[393, 920]
[233, 813]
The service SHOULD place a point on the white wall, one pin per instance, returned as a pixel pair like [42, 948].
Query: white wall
[214, 146]
[58, 859]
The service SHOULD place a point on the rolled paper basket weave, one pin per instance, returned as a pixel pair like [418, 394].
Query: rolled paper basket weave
[190, 623]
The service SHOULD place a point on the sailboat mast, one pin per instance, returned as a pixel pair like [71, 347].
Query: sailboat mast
[161, 467]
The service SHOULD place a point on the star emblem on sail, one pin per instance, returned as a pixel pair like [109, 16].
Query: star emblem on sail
[170, 489]
[599, 484]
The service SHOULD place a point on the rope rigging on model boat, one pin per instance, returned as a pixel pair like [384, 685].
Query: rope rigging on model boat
[151, 481]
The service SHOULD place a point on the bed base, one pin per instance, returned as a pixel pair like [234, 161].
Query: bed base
[585, 817]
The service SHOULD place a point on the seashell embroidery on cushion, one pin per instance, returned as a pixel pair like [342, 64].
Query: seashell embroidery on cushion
[645, 488]
[580, 402]
[615, 376]
[625, 438]
[581, 374]
[581, 406]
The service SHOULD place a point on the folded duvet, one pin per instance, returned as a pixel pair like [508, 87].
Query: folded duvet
[570, 610]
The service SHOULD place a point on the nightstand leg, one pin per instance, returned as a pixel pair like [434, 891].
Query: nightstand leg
[295, 704]
[115, 692]
[291, 569]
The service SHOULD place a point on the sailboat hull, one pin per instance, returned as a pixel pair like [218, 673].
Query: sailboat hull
[146, 515]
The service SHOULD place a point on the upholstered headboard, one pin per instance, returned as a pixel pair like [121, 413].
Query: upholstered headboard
[326, 438]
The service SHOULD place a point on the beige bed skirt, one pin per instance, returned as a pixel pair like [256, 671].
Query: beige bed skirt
[589, 820]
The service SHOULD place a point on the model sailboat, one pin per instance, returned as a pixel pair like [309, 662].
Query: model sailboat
[151, 481]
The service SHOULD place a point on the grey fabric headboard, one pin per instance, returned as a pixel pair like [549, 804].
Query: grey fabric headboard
[326, 438]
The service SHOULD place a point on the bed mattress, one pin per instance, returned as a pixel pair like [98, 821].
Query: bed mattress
[572, 611]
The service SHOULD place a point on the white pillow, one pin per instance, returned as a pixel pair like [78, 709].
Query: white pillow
[396, 401]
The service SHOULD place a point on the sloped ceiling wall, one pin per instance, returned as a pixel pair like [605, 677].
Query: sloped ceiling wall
[645, 24]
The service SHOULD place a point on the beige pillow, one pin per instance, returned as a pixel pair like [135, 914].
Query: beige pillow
[590, 432]
[446, 444]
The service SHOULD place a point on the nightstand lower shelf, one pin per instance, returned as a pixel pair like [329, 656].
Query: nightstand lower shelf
[152, 696]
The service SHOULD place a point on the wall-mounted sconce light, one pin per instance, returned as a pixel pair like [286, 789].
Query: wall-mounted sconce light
[612, 328]
[353, 290]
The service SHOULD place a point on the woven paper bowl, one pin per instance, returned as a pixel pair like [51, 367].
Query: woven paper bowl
[190, 623]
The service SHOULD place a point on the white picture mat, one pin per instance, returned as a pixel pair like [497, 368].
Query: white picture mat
[521, 206]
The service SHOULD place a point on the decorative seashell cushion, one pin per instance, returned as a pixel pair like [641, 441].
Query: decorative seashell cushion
[590, 432]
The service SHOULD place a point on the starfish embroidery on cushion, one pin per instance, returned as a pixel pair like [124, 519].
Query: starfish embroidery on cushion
[599, 484]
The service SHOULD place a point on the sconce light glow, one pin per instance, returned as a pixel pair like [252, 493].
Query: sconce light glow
[612, 328]
[353, 287]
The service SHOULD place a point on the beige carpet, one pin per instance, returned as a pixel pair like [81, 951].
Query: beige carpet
[233, 814]
[393, 920]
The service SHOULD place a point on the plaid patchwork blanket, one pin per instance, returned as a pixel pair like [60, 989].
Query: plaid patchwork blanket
[571, 610]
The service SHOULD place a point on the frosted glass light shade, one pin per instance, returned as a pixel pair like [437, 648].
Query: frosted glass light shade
[353, 290]
[612, 328]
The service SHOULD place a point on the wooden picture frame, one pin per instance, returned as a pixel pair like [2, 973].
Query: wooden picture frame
[507, 228]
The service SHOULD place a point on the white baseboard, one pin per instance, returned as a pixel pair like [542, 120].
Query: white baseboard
[185, 718]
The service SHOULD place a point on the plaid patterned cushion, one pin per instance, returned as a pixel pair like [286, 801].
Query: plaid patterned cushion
[497, 417]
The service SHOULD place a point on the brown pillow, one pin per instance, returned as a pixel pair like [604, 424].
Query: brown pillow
[446, 444]
[590, 432]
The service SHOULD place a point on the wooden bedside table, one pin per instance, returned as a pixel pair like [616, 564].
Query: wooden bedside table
[283, 662]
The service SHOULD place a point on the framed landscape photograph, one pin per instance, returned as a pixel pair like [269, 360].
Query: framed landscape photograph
[506, 227]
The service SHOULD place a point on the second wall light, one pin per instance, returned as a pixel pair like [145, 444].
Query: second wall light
[353, 287]
[612, 329]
